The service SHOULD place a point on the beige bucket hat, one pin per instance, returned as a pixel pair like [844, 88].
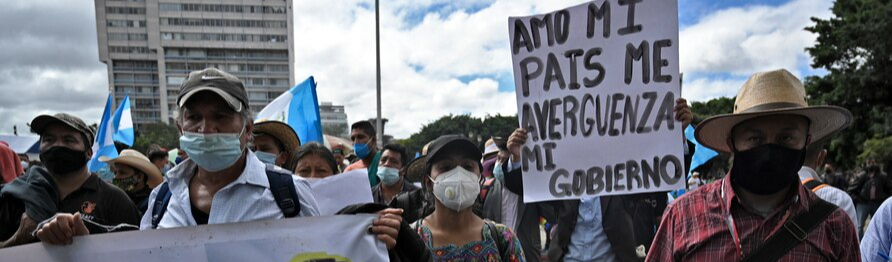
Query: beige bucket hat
[139, 161]
[772, 93]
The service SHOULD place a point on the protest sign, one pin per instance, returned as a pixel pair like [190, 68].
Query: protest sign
[596, 86]
[333, 238]
[338, 191]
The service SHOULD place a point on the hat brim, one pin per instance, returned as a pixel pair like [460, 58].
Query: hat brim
[231, 100]
[282, 132]
[825, 121]
[41, 122]
[151, 171]
[416, 169]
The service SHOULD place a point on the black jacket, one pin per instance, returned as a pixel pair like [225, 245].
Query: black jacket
[860, 190]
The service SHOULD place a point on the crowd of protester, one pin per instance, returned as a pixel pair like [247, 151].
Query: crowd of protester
[455, 202]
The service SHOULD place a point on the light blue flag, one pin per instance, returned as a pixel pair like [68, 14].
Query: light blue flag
[299, 108]
[701, 153]
[104, 145]
[123, 123]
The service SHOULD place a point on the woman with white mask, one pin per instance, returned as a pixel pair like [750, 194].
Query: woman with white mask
[452, 231]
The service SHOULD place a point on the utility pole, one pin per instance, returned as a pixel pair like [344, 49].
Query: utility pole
[379, 126]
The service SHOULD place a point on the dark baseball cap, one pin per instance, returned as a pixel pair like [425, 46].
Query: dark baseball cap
[438, 148]
[227, 86]
[39, 124]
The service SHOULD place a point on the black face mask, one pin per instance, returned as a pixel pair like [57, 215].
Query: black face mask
[63, 160]
[767, 169]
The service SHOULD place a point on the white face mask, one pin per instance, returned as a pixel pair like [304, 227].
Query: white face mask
[457, 189]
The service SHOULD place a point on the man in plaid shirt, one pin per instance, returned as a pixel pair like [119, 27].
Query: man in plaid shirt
[730, 219]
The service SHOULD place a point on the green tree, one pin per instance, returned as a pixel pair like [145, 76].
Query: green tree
[879, 149]
[855, 47]
[478, 130]
[166, 136]
[716, 106]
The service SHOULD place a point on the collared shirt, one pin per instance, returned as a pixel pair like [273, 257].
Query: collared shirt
[877, 242]
[696, 227]
[831, 194]
[588, 241]
[509, 208]
[247, 198]
[378, 192]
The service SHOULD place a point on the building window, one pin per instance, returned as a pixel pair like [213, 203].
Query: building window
[222, 37]
[175, 80]
[223, 23]
[125, 10]
[169, 7]
[130, 50]
[223, 8]
[127, 23]
[277, 68]
[126, 37]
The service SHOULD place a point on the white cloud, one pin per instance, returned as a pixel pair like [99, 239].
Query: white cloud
[340, 53]
[737, 42]
[423, 63]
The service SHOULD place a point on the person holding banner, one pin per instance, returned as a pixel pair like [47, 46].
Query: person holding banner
[760, 211]
[64, 199]
[603, 228]
[275, 143]
[216, 124]
[453, 232]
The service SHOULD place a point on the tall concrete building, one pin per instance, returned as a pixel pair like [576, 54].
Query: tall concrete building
[334, 120]
[150, 46]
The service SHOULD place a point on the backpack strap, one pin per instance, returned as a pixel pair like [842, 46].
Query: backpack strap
[496, 237]
[280, 184]
[282, 187]
[794, 231]
[813, 184]
[162, 199]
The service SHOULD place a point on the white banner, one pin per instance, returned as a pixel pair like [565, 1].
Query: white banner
[338, 191]
[596, 86]
[332, 238]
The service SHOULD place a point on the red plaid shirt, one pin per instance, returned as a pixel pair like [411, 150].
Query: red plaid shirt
[696, 228]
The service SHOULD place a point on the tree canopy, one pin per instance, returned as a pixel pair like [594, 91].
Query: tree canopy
[855, 47]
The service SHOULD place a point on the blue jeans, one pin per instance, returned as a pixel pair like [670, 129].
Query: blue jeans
[865, 209]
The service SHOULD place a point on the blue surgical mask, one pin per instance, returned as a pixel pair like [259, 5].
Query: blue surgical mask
[165, 169]
[388, 175]
[265, 157]
[361, 150]
[212, 152]
[498, 173]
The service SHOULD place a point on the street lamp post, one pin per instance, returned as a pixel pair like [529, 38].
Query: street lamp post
[379, 125]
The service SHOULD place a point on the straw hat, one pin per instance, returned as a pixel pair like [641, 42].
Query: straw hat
[282, 132]
[139, 161]
[417, 168]
[772, 93]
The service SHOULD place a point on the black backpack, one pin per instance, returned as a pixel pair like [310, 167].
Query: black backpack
[280, 183]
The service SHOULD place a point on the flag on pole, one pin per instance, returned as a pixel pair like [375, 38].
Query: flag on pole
[123, 123]
[701, 153]
[299, 108]
[104, 145]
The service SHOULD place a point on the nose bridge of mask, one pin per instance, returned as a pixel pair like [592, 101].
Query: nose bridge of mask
[455, 172]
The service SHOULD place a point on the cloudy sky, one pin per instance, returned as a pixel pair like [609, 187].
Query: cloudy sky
[438, 57]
